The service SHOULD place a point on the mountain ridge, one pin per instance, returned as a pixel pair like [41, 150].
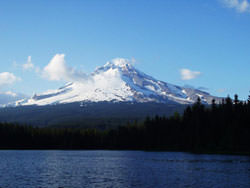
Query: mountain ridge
[119, 81]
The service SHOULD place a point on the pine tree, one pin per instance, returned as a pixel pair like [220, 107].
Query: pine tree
[236, 99]
[248, 100]
[213, 104]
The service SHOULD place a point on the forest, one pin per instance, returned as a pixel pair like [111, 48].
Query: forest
[217, 128]
[99, 115]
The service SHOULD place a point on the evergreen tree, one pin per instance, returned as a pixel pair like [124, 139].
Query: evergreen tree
[236, 99]
[248, 98]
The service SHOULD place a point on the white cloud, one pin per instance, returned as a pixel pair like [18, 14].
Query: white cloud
[221, 90]
[28, 65]
[7, 78]
[57, 70]
[10, 93]
[240, 5]
[187, 74]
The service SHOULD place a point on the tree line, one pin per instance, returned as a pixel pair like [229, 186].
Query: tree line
[223, 127]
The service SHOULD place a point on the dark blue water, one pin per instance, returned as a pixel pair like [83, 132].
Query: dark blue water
[28, 169]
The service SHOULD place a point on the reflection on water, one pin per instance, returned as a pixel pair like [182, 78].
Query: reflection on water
[121, 169]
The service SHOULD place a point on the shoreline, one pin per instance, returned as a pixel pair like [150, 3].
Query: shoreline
[237, 153]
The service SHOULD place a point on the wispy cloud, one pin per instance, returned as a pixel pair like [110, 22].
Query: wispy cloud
[203, 88]
[240, 5]
[57, 70]
[7, 78]
[28, 65]
[187, 74]
[221, 90]
[9, 93]
[199, 88]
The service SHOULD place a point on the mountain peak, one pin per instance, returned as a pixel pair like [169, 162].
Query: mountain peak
[119, 81]
[119, 62]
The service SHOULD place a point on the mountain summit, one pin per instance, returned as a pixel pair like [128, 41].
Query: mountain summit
[119, 81]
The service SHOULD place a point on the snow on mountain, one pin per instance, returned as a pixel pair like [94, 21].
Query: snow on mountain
[119, 81]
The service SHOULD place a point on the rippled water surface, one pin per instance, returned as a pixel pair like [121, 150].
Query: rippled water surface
[121, 169]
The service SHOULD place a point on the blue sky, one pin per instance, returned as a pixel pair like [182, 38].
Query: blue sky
[207, 41]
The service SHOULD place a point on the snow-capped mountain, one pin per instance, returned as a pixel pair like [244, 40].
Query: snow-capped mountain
[119, 81]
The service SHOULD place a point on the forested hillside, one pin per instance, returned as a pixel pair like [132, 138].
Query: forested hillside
[217, 128]
[99, 115]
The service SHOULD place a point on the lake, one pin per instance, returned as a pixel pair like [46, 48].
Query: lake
[74, 169]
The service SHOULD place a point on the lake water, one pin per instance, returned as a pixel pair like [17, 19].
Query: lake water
[74, 169]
